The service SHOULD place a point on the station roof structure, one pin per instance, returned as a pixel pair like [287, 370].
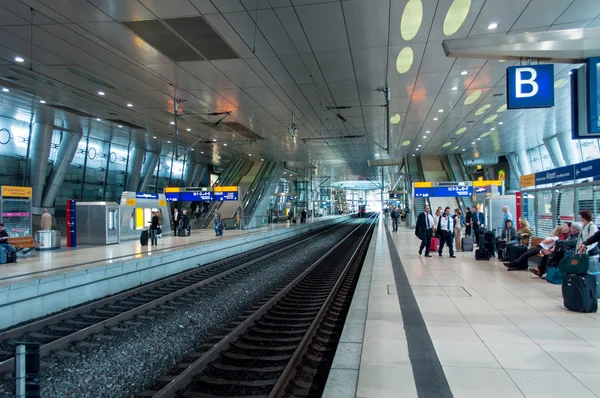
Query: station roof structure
[114, 67]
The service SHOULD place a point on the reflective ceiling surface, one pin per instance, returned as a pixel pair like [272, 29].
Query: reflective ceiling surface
[263, 60]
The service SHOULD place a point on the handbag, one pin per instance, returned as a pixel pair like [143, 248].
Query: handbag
[576, 264]
[554, 275]
[159, 231]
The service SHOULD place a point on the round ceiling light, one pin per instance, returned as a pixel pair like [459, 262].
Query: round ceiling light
[5, 90]
[492, 26]
[501, 109]
[188, 129]
[130, 105]
[474, 96]
[455, 148]
[482, 110]
[464, 72]
[406, 143]
[19, 59]
[456, 16]
[454, 88]
[490, 119]
[460, 130]
[101, 93]
[395, 119]
[404, 60]
[447, 144]
[411, 20]
[42, 102]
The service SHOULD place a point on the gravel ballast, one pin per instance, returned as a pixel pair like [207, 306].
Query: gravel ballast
[127, 361]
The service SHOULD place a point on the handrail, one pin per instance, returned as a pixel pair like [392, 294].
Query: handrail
[257, 196]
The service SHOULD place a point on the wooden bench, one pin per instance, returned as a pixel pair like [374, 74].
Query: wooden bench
[536, 241]
[25, 244]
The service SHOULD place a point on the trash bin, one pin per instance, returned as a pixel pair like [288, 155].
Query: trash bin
[49, 239]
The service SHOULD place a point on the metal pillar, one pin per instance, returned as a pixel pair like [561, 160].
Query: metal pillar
[554, 151]
[148, 170]
[568, 148]
[41, 140]
[134, 168]
[85, 161]
[66, 153]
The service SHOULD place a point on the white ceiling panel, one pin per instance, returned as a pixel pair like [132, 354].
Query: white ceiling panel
[123, 10]
[170, 9]
[367, 23]
[324, 26]
[541, 13]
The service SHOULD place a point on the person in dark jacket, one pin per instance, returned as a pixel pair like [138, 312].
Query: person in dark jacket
[478, 222]
[4, 241]
[395, 215]
[303, 216]
[508, 235]
[185, 223]
[468, 220]
[424, 230]
[177, 216]
[154, 229]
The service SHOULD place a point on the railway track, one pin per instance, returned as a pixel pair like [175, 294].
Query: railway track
[55, 332]
[283, 346]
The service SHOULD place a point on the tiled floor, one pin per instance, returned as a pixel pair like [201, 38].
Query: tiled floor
[496, 333]
[42, 263]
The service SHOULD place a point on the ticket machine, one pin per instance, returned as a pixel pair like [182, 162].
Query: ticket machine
[97, 223]
[136, 213]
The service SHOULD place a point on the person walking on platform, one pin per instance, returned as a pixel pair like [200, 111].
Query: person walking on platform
[303, 216]
[218, 227]
[395, 215]
[459, 221]
[478, 221]
[46, 223]
[446, 228]
[468, 221]
[424, 230]
[176, 220]
[154, 229]
[185, 223]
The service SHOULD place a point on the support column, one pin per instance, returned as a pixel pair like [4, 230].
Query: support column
[568, 148]
[136, 158]
[201, 169]
[189, 171]
[515, 170]
[523, 161]
[41, 140]
[554, 151]
[66, 153]
[148, 170]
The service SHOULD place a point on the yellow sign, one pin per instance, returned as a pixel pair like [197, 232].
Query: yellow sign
[162, 202]
[17, 192]
[527, 180]
[130, 202]
[172, 189]
[225, 189]
[485, 183]
[425, 184]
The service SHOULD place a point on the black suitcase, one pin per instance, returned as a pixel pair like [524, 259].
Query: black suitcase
[502, 251]
[579, 293]
[144, 238]
[515, 251]
[11, 257]
[482, 254]
[467, 244]
[181, 231]
[489, 236]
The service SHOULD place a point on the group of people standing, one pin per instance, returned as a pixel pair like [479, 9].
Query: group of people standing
[448, 226]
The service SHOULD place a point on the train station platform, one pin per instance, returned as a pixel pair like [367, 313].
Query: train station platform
[48, 281]
[443, 327]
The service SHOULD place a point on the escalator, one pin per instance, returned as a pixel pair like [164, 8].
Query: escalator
[231, 176]
[416, 174]
[454, 173]
[257, 189]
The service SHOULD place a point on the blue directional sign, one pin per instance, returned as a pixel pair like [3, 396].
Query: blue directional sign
[446, 192]
[530, 86]
[146, 195]
[422, 192]
[553, 176]
[588, 169]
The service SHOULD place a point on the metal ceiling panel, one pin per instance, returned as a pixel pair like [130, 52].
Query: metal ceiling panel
[124, 10]
[540, 13]
[201, 36]
[171, 8]
[77, 11]
[45, 15]
[504, 13]
[367, 23]
[203, 71]
[289, 19]
[324, 26]
[238, 71]
[336, 66]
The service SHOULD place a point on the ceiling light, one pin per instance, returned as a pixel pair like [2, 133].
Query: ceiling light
[172, 122]
[441, 110]
[464, 72]
[570, 72]
[262, 160]
[42, 102]
[5, 90]
[492, 26]
[417, 149]
[249, 154]
[98, 119]
[168, 142]
[154, 137]
[479, 139]
[224, 144]
[219, 157]
[202, 152]
[493, 128]
[120, 126]
[435, 119]
[424, 136]
[192, 149]
[501, 123]
[413, 154]
[419, 146]
[464, 149]
[214, 140]
[427, 132]
[19, 59]
[130, 105]
[188, 129]
[454, 88]
[473, 143]
[100, 92]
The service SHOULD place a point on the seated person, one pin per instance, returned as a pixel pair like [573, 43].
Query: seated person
[547, 244]
[4, 241]
[524, 233]
[509, 234]
[566, 243]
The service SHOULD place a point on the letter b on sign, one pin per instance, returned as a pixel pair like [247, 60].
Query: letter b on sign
[530, 86]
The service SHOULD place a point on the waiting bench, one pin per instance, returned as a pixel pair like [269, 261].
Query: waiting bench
[24, 244]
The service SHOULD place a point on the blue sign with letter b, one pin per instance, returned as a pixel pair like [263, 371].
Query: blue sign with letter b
[530, 86]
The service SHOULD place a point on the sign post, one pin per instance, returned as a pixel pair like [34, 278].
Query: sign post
[71, 223]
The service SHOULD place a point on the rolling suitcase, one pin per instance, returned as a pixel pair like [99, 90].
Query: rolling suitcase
[467, 244]
[434, 246]
[11, 257]
[144, 237]
[502, 251]
[181, 231]
[515, 251]
[579, 293]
